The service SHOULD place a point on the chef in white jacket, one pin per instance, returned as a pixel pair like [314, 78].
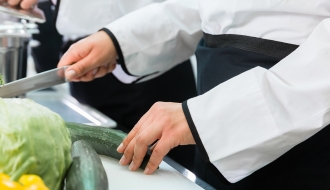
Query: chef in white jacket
[154, 45]
[121, 102]
[263, 77]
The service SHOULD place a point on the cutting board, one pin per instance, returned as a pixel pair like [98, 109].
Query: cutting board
[166, 177]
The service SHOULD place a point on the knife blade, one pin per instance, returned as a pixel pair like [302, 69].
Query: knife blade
[39, 81]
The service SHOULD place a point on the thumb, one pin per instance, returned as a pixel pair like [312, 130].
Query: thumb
[81, 67]
[76, 54]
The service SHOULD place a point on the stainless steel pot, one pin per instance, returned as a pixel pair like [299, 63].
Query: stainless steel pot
[13, 38]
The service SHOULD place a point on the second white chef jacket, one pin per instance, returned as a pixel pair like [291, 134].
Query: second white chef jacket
[253, 118]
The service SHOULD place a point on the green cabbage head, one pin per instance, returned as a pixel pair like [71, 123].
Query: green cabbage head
[29, 131]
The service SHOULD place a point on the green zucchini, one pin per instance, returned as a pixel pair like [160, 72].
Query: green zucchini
[103, 140]
[86, 171]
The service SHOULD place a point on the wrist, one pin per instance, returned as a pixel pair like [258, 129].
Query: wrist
[108, 45]
[114, 45]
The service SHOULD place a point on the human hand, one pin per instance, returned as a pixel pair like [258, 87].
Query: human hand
[24, 4]
[165, 122]
[90, 58]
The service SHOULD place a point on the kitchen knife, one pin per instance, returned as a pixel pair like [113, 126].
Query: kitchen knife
[36, 82]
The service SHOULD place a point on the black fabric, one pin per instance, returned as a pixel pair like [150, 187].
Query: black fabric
[57, 8]
[121, 59]
[46, 56]
[200, 144]
[306, 166]
[214, 66]
[23, 58]
[266, 47]
[227, 61]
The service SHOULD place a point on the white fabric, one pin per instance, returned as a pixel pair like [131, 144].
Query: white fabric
[159, 36]
[175, 30]
[252, 119]
[287, 21]
[79, 18]
[123, 77]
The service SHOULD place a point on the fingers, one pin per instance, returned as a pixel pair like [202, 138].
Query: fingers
[81, 68]
[136, 151]
[84, 65]
[136, 143]
[165, 122]
[89, 76]
[142, 142]
[127, 156]
[138, 147]
[27, 4]
[121, 148]
[105, 69]
[153, 146]
[101, 71]
[128, 145]
[90, 58]
[13, 2]
[95, 73]
[161, 149]
[75, 53]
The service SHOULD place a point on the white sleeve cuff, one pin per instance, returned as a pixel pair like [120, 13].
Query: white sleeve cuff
[252, 119]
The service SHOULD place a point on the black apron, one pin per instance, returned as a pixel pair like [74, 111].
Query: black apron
[307, 165]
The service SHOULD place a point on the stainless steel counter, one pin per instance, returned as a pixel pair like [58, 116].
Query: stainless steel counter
[71, 110]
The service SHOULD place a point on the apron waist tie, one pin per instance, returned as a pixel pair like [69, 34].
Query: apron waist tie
[257, 45]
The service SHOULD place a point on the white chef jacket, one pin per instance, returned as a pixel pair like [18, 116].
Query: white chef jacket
[157, 37]
[252, 119]
[79, 18]
[85, 17]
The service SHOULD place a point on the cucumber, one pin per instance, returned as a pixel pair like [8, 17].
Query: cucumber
[103, 140]
[86, 171]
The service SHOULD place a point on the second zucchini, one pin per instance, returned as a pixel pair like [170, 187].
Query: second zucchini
[103, 140]
[86, 171]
